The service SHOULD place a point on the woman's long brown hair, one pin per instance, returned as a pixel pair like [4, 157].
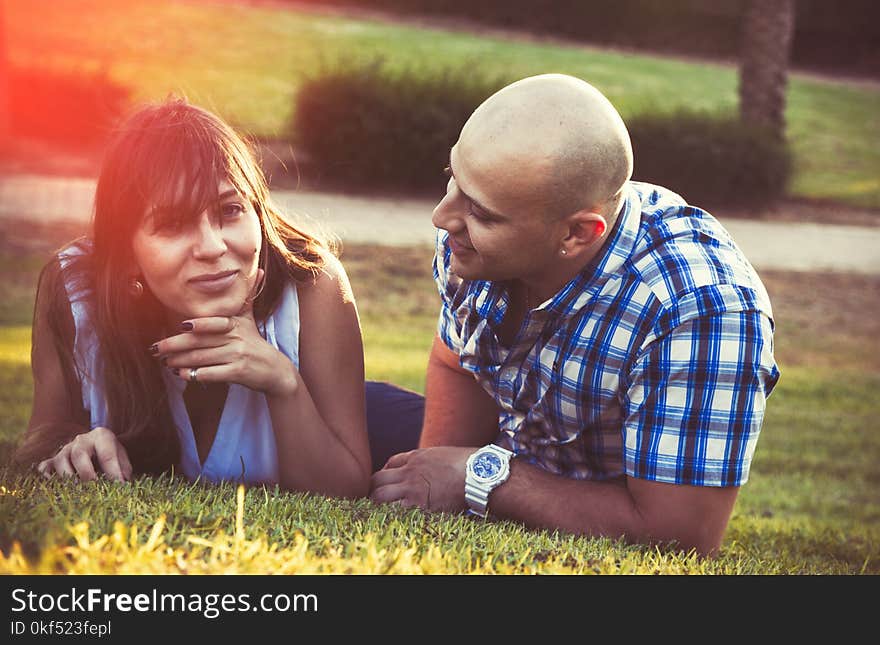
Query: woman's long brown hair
[172, 155]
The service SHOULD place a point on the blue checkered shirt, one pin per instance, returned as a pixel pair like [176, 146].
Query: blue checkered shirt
[654, 362]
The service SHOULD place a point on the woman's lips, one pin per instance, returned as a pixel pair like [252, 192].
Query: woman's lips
[214, 283]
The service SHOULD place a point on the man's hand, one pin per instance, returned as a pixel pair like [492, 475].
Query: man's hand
[430, 478]
[78, 458]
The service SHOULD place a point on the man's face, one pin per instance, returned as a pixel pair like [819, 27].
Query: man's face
[498, 227]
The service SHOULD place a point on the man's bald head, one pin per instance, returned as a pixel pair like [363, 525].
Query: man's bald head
[559, 130]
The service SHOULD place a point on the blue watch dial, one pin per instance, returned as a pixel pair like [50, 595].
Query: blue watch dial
[487, 465]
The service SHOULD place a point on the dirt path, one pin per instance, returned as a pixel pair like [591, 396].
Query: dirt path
[784, 245]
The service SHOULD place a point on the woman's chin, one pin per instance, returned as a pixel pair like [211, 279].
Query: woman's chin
[231, 306]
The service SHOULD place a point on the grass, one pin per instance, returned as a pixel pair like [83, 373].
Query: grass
[247, 62]
[809, 507]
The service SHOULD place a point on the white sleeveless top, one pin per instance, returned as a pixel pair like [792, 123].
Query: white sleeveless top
[244, 447]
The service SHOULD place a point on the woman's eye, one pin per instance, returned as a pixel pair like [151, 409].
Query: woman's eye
[170, 226]
[231, 210]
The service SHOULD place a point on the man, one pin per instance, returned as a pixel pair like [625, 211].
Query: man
[604, 350]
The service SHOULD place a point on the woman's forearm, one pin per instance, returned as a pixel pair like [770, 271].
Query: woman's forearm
[311, 455]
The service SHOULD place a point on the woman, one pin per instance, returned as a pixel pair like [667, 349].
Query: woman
[196, 329]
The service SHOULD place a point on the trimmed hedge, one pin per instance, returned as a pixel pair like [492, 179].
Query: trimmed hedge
[69, 109]
[363, 128]
[369, 128]
[710, 160]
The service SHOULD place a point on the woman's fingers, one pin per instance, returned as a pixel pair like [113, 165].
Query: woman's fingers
[209, 373]
[105, 447]
[203, 357]
[211, 325]
[187, 342]
[61, 464]
[81, 460]
[45, 468]
[124, 463]
[79, 457]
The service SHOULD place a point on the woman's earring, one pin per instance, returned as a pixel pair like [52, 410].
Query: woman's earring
[563, 252]
[136, 288]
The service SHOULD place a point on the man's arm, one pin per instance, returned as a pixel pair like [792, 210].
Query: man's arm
[739, 376]
[458, 412]
[640, 511]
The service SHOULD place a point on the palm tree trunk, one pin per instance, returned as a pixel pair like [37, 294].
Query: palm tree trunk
[768, 26]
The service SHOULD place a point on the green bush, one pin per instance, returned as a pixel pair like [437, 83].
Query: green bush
[710, 160]
[368, 127]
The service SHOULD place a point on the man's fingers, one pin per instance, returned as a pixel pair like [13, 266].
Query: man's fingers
[398, 460]
[387, 476]
[392, 493]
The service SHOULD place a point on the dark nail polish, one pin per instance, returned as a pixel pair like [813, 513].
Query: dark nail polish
[176, 371]
[186, 326]
[154, 349]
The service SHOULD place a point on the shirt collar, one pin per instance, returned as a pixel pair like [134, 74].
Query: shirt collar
[615, 251]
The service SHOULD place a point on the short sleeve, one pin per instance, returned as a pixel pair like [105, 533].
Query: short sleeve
[696, 398]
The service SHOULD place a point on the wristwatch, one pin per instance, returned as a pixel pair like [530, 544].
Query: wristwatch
[486, 469]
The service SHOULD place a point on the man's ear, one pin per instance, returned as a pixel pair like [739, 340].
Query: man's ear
[585, 228]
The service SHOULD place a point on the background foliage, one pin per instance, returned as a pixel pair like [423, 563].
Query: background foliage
[269, 52]
[828, 35]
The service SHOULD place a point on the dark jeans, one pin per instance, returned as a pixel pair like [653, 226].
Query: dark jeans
[394, 420]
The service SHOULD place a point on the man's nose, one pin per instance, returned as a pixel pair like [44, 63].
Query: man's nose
[445, 213]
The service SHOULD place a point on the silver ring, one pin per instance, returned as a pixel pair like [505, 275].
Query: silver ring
[192, 374]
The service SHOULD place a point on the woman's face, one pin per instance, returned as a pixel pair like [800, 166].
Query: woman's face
[205, 266]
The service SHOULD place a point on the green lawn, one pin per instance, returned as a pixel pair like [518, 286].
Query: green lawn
[247, 63]
[810, 505]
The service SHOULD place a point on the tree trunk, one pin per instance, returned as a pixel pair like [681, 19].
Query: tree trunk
[768, 26]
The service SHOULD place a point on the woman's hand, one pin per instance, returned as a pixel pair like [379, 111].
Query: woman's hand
[79, 458]
[228, 349]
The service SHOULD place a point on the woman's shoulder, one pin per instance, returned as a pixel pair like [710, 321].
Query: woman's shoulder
[330, 283]
[64, 276]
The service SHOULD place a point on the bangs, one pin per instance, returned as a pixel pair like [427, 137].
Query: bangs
[177, 167]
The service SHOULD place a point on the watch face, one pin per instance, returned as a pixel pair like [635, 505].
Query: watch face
[487, 465]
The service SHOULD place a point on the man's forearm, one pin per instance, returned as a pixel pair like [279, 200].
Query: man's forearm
[693, 517]
[542, 500]
[458, 412]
